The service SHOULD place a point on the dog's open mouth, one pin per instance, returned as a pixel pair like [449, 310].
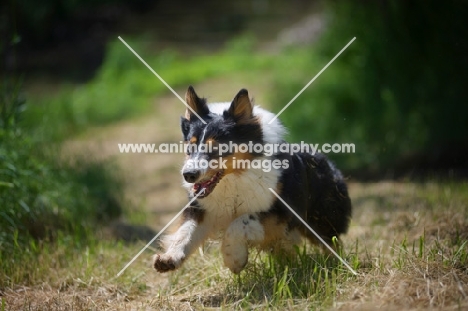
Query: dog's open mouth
[208, 185]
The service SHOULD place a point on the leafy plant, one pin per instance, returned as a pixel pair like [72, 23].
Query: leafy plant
[39, 195]
[395, 93]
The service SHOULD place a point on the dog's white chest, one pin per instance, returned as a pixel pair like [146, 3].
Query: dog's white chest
[240, 194]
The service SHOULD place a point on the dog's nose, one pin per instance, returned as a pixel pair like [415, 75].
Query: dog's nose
[191, 175]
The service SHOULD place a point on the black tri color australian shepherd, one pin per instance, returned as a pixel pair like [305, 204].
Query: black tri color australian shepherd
[233, 202]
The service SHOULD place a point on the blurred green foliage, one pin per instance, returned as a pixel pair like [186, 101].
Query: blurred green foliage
[397, 91]
[123, 87]
[41, 196]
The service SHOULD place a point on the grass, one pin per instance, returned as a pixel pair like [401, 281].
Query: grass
[407, 241]
[123, 87]
[41, 196]
[49, 207]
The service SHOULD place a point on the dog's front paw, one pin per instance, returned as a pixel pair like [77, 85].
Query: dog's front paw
[166, 262]
[235, 257]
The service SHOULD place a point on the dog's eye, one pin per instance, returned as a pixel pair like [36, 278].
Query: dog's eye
[211, 143]
[190, 148]
[212, 147]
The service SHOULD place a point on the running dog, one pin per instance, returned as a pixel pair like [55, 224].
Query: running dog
[233, 201]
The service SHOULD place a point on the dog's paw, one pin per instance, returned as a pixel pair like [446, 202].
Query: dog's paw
[166, 262]
[235, 258]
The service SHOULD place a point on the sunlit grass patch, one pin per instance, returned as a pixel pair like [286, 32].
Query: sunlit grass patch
[414, 258]
[54, 275]
[268, 281]
[309, 278]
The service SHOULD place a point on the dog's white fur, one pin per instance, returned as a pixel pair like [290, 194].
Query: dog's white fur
[230, 207]
[238, 206]
[242, 231]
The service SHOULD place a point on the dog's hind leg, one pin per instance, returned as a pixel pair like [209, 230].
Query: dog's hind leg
[179, 245]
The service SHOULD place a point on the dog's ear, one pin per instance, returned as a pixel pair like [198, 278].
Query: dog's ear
[185, 126]
[197, 104]
[241, 108]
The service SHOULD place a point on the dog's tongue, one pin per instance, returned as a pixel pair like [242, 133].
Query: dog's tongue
[208, 185]
[199, 186]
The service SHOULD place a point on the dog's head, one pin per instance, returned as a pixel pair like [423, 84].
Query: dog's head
[212, 148]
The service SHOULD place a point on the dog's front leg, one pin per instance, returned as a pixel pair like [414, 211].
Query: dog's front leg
[243, 230]
[179, 245]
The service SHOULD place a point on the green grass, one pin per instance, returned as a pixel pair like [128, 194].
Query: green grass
[277, 282]
[46, 203]
[40, 195]
[407, 241]
[123, 87]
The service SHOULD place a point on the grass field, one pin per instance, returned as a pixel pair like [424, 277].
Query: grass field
[407, 241]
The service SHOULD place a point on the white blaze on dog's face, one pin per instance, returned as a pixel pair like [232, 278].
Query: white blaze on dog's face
[236, 124]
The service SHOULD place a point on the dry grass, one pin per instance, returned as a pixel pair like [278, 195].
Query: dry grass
[413, 241]
[408, 242]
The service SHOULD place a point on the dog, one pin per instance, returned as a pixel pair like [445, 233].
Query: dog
[235, 203]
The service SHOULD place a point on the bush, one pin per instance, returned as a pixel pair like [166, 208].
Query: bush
[395, 92]
[41, 196]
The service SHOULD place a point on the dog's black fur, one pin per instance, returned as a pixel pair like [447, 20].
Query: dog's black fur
[238, 202]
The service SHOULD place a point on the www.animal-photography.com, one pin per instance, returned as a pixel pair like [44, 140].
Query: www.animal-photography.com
[271, 155]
